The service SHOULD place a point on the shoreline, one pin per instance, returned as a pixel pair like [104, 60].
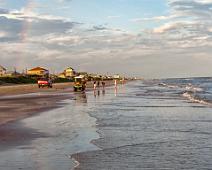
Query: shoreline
[21, 101]
[18, 89]
[19, 106]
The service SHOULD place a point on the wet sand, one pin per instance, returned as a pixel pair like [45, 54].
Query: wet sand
[25, 101]
[40, 130]
[20, 101]
[46, 141]
[15, 108]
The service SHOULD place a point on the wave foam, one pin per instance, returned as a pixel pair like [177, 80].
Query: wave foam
[168, 85]
[193, 88]
[193, 99]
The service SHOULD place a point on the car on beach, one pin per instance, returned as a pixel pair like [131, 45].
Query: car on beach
[79, 83]
[44, 82]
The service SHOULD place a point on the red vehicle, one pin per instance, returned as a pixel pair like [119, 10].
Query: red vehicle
[44, 82]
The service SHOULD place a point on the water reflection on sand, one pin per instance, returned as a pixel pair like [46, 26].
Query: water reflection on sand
[47, 141]
[59, 133]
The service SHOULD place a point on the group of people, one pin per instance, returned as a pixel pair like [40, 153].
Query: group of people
[97, 84]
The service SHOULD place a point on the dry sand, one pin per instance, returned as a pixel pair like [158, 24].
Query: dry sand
[31, 88]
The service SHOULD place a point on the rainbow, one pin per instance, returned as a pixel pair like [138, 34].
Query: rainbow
[26, 24]
[30, 5]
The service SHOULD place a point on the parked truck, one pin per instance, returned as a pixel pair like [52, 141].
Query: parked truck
[44, 82]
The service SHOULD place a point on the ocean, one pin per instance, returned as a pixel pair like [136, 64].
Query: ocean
[197, 90]
[153, 124]
[149, 124]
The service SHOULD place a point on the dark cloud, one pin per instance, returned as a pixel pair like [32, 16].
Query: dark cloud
[42, 27]
[193, 8]
[12, 27]
[99, 27]
[3, 11]
[32, 26]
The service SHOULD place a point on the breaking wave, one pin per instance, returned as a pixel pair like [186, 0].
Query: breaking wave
[194, 99]
[193, 89]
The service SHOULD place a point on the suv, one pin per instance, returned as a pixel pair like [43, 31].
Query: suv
[44, 82]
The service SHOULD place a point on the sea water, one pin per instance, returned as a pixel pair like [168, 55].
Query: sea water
[154, 124]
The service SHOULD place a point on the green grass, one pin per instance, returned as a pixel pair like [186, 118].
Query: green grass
[17, 80]
[28, 80]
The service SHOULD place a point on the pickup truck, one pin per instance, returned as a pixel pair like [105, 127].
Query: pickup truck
[44, 82]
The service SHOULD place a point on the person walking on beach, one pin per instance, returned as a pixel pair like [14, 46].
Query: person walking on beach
[103, 84]
[94, 85]
[115, 83]
[98, 84]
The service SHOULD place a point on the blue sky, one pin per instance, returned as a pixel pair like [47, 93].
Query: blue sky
[131, 37]
[113, 13]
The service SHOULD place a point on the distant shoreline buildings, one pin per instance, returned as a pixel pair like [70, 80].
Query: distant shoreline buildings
[68, 73]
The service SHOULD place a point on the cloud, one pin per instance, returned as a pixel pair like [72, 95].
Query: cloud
[19, 25]
[192, 21]
[32, 39]
[156, 18]
[62, 1]
[193, 8]
[174, 26]
[3, 11]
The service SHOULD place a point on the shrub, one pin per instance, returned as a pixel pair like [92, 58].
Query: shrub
[17, 80]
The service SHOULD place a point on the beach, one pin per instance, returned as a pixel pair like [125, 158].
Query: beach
[138, 125]
[20, 101]
[33, 88]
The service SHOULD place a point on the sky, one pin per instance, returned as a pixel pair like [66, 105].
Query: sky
[143, 38]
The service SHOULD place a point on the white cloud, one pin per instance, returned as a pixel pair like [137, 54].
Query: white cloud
[156, 18]
[173, 26]
[28, 15]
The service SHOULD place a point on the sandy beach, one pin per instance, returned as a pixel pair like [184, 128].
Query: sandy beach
[25, 103]
[33, 88]
[20, 101]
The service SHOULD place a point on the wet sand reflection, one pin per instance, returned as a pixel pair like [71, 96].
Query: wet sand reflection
[80, 97]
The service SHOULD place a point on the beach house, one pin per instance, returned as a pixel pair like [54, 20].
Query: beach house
[38, 71]
[2, 71]
[69, 72]
[117, 76]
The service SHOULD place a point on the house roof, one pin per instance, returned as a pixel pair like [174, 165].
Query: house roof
[2, 68]
[38, 69]
[69, 68]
